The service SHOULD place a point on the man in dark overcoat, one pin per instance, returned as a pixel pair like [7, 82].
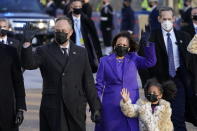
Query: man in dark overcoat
[68, 82]
[12, 92]
[85, 33]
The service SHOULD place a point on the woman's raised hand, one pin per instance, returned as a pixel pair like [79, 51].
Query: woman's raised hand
[125, 95]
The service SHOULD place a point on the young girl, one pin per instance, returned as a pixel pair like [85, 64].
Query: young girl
[153, 111]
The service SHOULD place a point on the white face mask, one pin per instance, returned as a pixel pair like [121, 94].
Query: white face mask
[167, 25]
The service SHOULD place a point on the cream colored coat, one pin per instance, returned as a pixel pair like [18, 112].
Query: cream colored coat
[192, 47]
[160, 120]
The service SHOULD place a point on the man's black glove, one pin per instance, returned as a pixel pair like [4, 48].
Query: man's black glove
[96, 116]
[145, 36]
[29, 32]
[19, 118]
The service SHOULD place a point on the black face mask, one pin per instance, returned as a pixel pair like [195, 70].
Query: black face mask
[194, 17]
[121, 51]
[77, 11]
[152, 97]
[61, 37]
[150, 5]
[3, 32]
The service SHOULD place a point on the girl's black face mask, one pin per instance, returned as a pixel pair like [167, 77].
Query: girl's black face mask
[61, 37]
[121, 51]
[152, 97]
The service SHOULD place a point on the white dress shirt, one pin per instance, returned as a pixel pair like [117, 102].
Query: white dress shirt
[174, 46]
[5, 39]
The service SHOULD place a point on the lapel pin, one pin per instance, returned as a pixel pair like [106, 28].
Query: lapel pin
[74, 53]
[11, 42]
[181, 41]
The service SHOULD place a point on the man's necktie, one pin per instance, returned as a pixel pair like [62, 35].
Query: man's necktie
[172, 70]
[79, 39]
[65, 52]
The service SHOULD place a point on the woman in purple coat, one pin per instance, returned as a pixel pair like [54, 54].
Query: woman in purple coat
[117, 71]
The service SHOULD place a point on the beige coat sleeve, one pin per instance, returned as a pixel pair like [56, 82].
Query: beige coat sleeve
[129, 109]
[192, 47]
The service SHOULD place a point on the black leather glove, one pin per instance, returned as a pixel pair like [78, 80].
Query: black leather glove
[145, 36]
[19, 118]
[29, 32]
[96, 116]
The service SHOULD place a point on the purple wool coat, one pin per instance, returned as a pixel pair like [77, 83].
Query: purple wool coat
[109, 86]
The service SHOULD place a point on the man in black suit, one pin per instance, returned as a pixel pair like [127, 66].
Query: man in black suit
[106, 25]
[192, 30]
[172, 57]
[128, 17]
[87, 8]
[5, 38]
[68, 82]
[153, 17]
[12, 92]
[186, 12]
[85, 34]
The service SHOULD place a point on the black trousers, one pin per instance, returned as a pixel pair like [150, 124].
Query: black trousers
[49, 120]
[57, 120]
[178, 103]
[9, 129]
[107, 37]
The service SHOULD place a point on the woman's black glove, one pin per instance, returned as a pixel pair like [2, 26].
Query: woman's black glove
[19, 118]
[145, 36]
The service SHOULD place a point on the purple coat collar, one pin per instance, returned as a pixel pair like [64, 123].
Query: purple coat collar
[112, 62]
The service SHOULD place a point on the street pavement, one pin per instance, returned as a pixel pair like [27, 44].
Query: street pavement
[33, 85]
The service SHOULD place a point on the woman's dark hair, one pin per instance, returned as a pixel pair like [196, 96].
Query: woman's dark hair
[132, 44]
[168, 89]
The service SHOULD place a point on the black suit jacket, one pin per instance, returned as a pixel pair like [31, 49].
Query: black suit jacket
[15, 43]
[160, 70]
[189, 29]
[73, 83]
[12, 93]
[91, 40]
